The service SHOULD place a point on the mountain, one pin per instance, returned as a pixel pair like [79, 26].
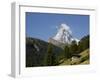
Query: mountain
[36, 51]
[63, 35]
[39, 51]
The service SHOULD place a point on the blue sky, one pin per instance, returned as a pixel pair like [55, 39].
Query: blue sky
[43, 25]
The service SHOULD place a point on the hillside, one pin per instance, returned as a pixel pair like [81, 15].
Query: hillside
[83, 59]
[42, 53]
[36, 51]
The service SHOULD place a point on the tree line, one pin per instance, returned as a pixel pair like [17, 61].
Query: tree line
[68, 50]
[76, 48]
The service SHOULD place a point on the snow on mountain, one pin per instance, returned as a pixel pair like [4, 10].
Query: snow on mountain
[64, 35]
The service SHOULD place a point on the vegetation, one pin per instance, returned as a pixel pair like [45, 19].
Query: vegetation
[76, 48]
[41, 53]
[84, 59]
[83, 44]
[67, 52]
[48, 60]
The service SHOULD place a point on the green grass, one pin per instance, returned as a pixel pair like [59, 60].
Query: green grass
[66, 62]
[84, 53]
[84, 59]
[86, 62]
[84, 56]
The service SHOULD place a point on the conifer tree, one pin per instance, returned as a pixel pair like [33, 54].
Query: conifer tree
[48, 60]
[66, 52]
[73, 48]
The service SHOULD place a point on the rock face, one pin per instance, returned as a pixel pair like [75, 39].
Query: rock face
[63, 35]
[55, 42]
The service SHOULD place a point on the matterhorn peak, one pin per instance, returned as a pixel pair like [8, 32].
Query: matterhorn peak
[64, 34]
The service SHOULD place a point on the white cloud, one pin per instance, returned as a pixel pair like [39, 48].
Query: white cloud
[66, 27]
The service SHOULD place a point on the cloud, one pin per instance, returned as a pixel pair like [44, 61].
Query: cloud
[66, 27]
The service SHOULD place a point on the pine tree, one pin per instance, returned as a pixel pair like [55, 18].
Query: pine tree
[73, 48]
[66, 52]
[83, 44]
[48, 60]
[80, 48]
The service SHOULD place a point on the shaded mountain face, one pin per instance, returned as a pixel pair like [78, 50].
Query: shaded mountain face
[63, 35]
[36, 51]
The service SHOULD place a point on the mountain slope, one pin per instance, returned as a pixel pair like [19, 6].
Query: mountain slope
[36, 50]
[84, 59]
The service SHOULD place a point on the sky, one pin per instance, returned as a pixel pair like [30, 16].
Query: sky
[44, 25]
